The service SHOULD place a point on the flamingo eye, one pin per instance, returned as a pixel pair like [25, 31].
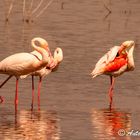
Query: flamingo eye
[38, 43]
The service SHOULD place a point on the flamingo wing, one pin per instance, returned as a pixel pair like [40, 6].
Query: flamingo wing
[19, 64]
[105, 60]
[116, 64]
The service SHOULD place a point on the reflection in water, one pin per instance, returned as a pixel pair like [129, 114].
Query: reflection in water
[42, 125]
[106, 123]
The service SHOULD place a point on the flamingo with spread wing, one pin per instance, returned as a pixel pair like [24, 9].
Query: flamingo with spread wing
[115, 62]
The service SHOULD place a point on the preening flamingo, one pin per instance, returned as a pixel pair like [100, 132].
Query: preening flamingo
[43, 44]
[54, 63]
[23, 63]
[115, 62]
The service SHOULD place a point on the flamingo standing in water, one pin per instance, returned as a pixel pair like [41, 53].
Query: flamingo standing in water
[115, 62]
[54, 63]
[22, 64]
[50, 67]
[43, 44]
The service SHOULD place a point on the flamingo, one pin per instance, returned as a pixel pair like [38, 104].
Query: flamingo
[24, 63]
[115, 62]
[54, 64]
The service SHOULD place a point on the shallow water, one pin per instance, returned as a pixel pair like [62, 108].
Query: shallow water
[73, 105]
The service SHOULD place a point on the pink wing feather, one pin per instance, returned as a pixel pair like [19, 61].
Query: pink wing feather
[103, 61]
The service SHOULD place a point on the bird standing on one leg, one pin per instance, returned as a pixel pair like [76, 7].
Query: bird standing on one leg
[115, 62]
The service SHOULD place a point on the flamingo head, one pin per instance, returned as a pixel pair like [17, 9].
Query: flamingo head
[38, 41]
[58, 55]
[128, 44]
[129, 47]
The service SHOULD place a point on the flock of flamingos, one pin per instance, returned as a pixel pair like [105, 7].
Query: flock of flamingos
[41, 62]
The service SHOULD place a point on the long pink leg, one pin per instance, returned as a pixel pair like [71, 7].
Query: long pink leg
[1, 98]
[112, 80]
[5, 81]
[32, 92]
[16, 95]
[39, 87]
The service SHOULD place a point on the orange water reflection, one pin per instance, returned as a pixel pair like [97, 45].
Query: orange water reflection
[42, 125]
[107, 122]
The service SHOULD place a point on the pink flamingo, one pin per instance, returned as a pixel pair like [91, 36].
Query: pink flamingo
[115, 62]
[23, 63]
[53, 66]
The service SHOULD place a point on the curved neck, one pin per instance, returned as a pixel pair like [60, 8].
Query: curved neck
[131, 64]
[43, 52]
[42, 42]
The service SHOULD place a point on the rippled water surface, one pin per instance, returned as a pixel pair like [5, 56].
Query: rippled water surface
[73, 106]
